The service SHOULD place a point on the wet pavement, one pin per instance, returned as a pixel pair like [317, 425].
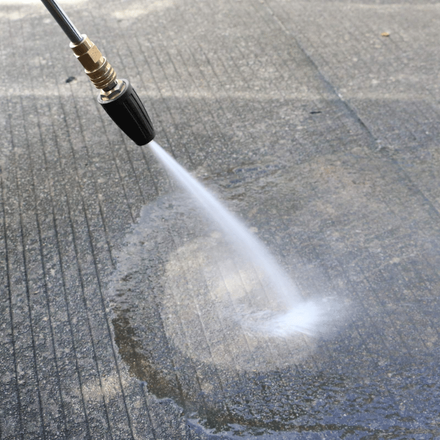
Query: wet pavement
[314, 122]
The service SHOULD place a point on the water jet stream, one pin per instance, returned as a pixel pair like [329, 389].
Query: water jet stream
[296, 315]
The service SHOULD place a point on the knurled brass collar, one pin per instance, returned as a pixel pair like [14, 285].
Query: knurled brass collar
[95, 64]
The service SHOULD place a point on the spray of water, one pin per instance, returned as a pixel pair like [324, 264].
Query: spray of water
[296, 315]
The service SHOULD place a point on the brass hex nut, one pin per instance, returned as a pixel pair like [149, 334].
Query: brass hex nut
[100, 72]
[88, 54]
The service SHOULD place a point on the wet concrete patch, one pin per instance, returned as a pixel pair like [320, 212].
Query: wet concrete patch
[178, 291]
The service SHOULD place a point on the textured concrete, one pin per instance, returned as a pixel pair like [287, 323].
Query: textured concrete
[315, 121]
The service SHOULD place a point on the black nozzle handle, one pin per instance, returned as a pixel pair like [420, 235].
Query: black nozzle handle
[129, 114]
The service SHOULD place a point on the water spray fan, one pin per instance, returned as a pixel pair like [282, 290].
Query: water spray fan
[117, 96]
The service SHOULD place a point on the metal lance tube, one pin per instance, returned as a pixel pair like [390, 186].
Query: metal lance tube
[117, 97]
[63, 20]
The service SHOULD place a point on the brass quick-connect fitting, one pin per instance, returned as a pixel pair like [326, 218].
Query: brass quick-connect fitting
[99, 70]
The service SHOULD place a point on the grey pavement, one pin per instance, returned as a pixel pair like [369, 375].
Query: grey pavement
[317, 123]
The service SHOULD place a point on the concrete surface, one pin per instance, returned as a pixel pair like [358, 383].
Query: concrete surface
[315, 121]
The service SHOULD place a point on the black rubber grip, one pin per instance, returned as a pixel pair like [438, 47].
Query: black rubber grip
[129, 114]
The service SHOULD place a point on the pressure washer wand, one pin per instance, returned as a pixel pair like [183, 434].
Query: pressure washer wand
[117, 96]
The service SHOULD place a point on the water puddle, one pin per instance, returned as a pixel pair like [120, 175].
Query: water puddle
[202, 310]
[196, 321]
